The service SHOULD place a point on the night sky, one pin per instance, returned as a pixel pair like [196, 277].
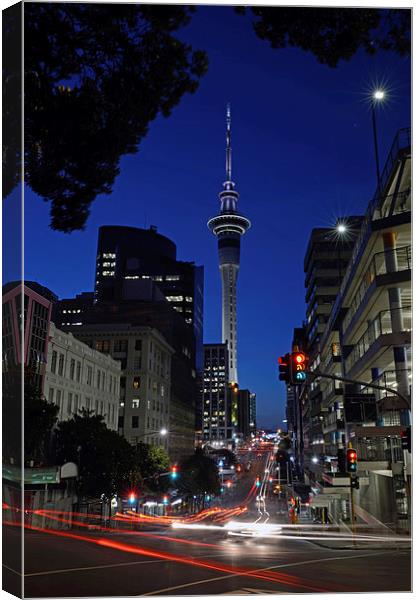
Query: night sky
[302, 156]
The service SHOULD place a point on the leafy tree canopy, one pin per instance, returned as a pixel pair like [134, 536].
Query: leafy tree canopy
[153, 461]
[96, 75]
[333, 34]
[107, 462]
[199, 474]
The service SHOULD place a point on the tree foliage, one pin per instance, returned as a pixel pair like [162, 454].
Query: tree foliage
[40, 417]
[333, 34]
[199, 474]
[107, 462]
[153, 461]
[96, 75]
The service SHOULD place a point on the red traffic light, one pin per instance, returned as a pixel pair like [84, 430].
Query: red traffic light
[351, 456]
[299, 357]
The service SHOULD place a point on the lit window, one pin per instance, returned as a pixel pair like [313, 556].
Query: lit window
[135, 403]
[175, 298]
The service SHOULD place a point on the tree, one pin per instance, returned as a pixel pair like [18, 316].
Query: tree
[199, 474]
[40, 417]
[333, 34]
[107, 462]
[96, 75]
[153, 461]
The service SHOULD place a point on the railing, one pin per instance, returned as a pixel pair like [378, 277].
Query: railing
[402, 204]
[388, 379]
[401, 142]
[400, 257]
[380, 325]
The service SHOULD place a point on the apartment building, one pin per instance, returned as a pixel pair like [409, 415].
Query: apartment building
[368, 339]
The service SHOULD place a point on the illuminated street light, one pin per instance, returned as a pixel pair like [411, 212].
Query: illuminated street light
[163, 431]
[315, 459]
[341, 228]
[379, 95]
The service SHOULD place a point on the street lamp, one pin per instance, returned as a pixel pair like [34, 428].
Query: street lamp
[377, 97]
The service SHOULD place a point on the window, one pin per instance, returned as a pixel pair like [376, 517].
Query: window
[78, 375]
[88, 401]
[54, 362]
[72, 368]
[135, 403]
[138, 345]
[58, 399]
[98, 379]
[120, 422]
[61, 365]
[137, 363]
[103, 346]
[123, 382]
[120, 346]
[136, 383]
[135, 422]
[51, 395]
[123, 364]
[69, 403]
[75, 403]
[89, 374]
[97, 407]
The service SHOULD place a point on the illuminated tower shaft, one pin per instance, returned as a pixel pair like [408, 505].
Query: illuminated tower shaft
[229, 226]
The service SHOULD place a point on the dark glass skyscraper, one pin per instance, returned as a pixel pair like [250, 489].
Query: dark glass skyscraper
[128, 256]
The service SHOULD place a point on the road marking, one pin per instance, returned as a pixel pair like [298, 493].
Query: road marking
[249, 573]
[110, 566]
[12, 570]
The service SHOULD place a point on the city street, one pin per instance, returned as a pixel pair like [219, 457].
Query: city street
[201, 560]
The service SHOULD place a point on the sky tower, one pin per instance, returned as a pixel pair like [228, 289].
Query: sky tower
[229, 226]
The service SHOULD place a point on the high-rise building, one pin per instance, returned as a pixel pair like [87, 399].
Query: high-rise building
[246, 413]
[220, 410]
[326, 259]
[229, 226]
[128, 256]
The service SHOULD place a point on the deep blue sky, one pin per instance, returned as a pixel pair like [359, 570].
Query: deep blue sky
[302, 155]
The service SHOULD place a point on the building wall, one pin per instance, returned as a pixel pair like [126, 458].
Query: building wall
[217, 411]
[80, 377]
[145, 384]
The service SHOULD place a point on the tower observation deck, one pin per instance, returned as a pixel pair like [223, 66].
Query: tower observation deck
[228, 226]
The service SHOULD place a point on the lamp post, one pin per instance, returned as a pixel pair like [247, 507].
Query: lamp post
[377, 97]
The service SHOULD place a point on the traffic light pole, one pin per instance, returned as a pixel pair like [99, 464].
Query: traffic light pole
[315, 374]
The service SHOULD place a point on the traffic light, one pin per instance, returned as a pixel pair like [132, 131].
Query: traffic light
[165, 499]
[354, 483]
[298, 364]
[284, 370]
[132, 498]
[351, 456]
[257, 481]
[406, 439]
[281, 456]
[174, 472]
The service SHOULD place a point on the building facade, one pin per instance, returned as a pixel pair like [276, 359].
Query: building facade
[365, 337]
[31, 304]
[143, 399]
[220, 410]
[79, 377]
[228, 226]
[127, 256]
[369, 333]
[246, 413]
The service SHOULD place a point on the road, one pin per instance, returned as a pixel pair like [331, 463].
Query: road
[202, 560]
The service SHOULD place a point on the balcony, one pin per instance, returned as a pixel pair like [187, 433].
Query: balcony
[387, 400]
[382, 324]
[401, 258]
[400, 148]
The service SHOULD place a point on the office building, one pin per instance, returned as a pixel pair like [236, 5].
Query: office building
[229, 226]
[128, 256]
[246, 414]
[173, 396]
[79, 377]
[220, 409]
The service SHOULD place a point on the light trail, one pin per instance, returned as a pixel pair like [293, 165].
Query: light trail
[289, 580]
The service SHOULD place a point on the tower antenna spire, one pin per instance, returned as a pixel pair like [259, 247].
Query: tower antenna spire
[228, 143]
